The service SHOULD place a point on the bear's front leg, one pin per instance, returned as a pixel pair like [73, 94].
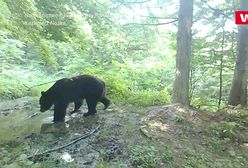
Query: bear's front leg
[91, 103]
[59, 111]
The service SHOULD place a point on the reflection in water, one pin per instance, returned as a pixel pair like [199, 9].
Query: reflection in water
[48, 126]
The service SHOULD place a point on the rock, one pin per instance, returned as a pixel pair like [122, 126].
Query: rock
[232, 153]
[67, 157]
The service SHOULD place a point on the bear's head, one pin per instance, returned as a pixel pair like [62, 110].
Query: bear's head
[46, 101]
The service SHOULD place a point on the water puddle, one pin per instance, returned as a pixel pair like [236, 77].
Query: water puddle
[19, 118]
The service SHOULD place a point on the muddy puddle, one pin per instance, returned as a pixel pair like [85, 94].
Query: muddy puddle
[20, 117]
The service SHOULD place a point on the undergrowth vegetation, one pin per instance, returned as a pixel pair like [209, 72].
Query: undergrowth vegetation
[130, 65]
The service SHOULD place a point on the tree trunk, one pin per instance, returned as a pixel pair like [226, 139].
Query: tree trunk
[184, 38]
[221, 63]
[238, 93]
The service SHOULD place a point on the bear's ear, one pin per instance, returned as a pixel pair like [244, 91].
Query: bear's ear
[42, 93]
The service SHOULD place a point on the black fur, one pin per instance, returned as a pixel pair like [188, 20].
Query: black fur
[74, 89]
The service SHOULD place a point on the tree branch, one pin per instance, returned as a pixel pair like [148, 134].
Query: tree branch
[63, 146]
[157, 17]
[30, 87]
[151, 24]
[218, 11]
[138, 2]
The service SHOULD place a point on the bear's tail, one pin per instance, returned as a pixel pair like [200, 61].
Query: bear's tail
[105, 101]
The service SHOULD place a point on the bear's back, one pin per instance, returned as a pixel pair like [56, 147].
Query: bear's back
[78, 86]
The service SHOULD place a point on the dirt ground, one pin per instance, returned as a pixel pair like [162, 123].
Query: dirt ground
[123, 136]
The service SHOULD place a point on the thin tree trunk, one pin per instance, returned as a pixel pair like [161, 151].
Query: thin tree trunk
[184, 38]
[221, 64]
[191, 87]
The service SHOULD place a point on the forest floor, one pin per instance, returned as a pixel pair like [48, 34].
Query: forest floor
[123, 136]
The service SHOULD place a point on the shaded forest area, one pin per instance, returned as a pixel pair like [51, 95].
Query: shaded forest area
[152, 55]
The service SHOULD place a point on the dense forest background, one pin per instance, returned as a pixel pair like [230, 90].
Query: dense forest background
[129, 44]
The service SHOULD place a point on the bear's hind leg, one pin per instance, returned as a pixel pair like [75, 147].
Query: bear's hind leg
[105, 101]
[91, 103]
[77, 105]
[60, 111]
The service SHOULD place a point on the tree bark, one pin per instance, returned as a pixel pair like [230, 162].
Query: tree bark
[184, 38]
[221, 63]
[238, 93]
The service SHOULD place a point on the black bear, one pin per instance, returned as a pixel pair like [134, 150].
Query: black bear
[74, 89]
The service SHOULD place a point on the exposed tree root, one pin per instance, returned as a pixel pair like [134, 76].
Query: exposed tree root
[63, 146]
